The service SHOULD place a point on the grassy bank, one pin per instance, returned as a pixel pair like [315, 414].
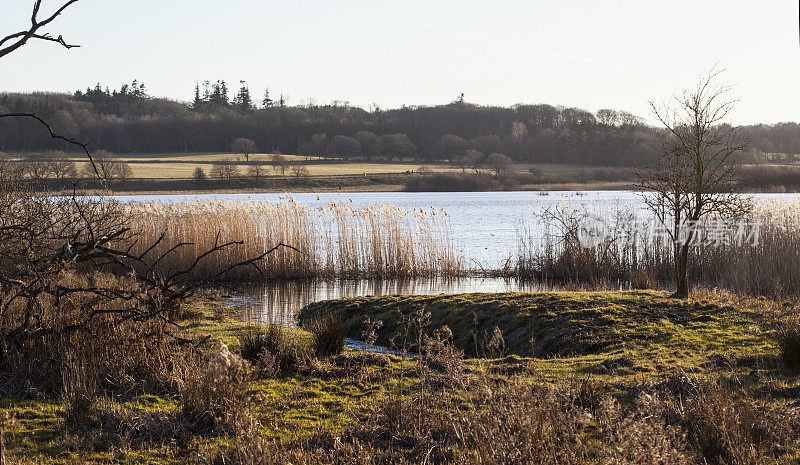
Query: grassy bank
[568, 324]
[619, 373]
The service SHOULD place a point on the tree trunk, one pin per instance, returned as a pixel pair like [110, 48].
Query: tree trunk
[2, 442]
[682, 271]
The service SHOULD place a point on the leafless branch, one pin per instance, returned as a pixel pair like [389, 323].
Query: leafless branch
[696, 175]
[18, 39]
[57, 136]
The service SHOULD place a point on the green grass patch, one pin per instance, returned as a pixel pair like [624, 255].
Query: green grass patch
[564, 324]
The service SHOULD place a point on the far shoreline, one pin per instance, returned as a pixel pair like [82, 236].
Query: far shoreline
[306, 189]
[377, 188]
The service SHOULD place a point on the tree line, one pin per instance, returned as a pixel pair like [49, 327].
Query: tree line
[129, 120]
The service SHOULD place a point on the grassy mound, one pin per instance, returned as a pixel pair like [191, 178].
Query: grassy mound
[560, 324]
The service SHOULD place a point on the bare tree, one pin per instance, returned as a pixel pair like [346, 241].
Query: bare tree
[279, 163]
[72, 286]
[124, 171]
[199, 175]
[60, 166]
[53, 164]
[471, 158]
[257, 169]
[244, 147]
[696, 176]
[345, 147]
[370, 144]
[15, 41]
[109, 166]
[300, 171]
[36, 167]
[224, 170]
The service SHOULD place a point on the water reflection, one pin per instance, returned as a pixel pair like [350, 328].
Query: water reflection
[279, 302]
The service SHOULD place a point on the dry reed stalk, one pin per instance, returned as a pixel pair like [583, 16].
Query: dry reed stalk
[764, 266]
[338, 240]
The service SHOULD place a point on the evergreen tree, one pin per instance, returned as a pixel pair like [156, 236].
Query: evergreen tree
[218, 95]
[242, 101]
[198, 101]
[206, 91]
[267, 102]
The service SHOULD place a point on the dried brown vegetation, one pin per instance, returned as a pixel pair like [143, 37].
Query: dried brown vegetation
[340, 240]
[762, 266]
[788, 338]
[515, 420]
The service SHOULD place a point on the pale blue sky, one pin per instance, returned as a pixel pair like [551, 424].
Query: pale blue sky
[587, 54]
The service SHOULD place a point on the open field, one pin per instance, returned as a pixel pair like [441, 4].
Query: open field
[623, 377]
[174, 170]
[182, 165]
[166, 170]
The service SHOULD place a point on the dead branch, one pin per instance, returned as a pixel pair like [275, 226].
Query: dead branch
[18, 39]
[57, 136]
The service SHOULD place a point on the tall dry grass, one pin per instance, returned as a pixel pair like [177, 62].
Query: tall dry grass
[339, 240]
[766, 266]
[555, 254]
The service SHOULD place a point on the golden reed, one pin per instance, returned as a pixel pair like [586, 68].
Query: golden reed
[339, 240]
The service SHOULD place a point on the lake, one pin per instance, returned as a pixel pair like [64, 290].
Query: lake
[485, 226]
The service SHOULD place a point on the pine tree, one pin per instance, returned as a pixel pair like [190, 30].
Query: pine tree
[206, 91]
[267, 102]
[223, 87]
[197, 100]
[242, 101]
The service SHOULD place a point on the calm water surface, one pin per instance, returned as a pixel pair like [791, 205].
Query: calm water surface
[485, 226]
[279, 302]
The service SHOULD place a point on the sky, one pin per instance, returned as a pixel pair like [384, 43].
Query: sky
[594, 54]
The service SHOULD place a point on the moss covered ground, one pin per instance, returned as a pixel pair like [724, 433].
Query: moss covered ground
[617, 340]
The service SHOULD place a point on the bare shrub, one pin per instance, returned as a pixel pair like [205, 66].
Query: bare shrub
[370, 333]
[252, 341]
[442, 355]
[788, 338]
[517, 421]
[274, 348]
[495, 344]
[734, 429]
[641, 435]
[117, 354]
[329, 333]
[213, 397]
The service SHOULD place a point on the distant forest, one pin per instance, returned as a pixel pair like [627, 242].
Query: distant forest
[128, 120]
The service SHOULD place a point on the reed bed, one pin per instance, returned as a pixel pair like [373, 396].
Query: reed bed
[766, 265]
[339, 240]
